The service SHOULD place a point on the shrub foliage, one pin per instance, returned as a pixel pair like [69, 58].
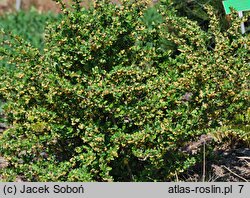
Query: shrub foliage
[118, 91]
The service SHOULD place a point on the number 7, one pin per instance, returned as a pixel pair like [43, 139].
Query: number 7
[241, 187]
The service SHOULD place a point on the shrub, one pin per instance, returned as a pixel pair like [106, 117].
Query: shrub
[115, 96]
[195, 10]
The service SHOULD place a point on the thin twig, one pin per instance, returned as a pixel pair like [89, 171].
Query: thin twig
[145, 158]
[214, 178]
[235, 173]
[247, 158]
[204, 162]
[176, 175]
[130, 173]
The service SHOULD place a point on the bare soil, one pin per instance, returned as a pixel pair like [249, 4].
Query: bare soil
[228, 162]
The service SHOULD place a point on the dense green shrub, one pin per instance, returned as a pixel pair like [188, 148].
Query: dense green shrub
[115, 96]
[195, 10]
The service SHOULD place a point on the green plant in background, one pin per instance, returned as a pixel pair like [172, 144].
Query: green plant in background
[29, 25]
[118, 90]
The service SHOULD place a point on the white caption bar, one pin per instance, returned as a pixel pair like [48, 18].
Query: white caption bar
[124, 190]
